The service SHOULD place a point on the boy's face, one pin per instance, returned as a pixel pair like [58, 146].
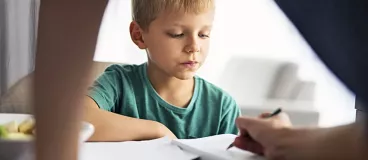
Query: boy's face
[177, 43]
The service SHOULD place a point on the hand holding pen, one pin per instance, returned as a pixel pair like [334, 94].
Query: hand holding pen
[254, 132]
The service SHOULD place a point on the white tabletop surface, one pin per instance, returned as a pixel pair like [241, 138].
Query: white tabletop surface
[145, 150]
[162, 149]
[154, 149]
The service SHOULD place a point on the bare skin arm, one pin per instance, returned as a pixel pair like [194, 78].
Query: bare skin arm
[114, 127]
[67, 36]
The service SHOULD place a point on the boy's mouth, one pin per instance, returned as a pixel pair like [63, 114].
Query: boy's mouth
[190, 64]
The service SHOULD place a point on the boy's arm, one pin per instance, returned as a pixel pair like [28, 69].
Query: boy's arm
[101, 104]
[114, 127]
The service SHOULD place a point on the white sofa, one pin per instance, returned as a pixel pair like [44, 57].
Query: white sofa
[262, 85]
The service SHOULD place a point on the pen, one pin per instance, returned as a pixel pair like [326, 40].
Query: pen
[274, 113]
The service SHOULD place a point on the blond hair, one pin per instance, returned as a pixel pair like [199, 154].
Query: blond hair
[145, 11]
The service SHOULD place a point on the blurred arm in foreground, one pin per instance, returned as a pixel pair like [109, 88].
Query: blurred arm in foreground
[67, 36]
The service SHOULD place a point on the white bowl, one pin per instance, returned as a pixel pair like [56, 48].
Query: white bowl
[23, 149]
[87, 130]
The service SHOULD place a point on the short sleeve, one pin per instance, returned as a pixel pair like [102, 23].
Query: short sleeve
[105, 90]
[232, 112]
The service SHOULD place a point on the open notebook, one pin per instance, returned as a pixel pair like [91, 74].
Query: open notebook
[214, 148]
[208, 148]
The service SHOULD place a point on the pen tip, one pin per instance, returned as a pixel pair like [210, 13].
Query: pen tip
[231, 145]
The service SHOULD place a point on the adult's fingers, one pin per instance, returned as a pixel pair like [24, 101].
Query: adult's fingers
[248, 144]
[264, 115]
[282, 118]
[250, 125]
[259, 129]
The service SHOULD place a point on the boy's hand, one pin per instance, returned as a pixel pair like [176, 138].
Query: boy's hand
[253, 143]
[163, 131]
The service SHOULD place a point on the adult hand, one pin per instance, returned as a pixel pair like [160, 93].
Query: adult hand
[276, 139]
[255, 131]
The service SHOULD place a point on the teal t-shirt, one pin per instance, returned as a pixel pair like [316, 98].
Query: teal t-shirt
[126, 90]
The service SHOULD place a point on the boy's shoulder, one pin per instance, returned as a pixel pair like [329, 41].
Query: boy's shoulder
[213, 95]
[126, 68]
[121, 73]
[213, 91]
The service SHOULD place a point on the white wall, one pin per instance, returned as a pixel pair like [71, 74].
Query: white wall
[249, 28]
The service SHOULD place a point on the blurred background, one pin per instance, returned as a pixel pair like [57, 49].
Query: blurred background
[256, 55]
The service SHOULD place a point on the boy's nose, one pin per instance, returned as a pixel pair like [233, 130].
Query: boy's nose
[192, 48]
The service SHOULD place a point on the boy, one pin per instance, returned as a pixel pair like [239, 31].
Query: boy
[162, 97]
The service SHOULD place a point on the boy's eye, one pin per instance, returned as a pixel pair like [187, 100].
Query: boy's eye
[204, 36]
[176, 35]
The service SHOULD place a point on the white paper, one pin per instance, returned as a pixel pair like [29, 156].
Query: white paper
[215, 148]
[136, 150]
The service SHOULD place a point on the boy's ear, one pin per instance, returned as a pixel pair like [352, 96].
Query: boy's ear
[136, 35]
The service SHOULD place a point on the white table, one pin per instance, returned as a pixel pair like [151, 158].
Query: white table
[162, 149]
[154, 149]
